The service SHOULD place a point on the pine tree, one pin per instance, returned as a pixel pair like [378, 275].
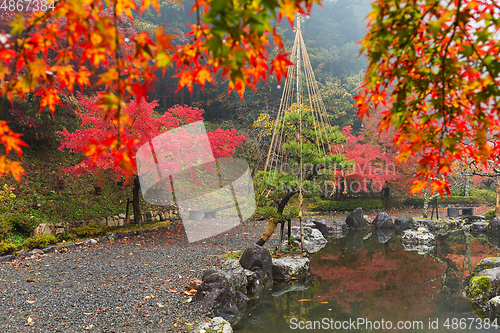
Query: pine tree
[303, 166]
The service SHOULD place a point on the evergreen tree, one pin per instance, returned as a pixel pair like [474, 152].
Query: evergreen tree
[303, 164]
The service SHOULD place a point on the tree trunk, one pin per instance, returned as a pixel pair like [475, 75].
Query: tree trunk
[271, 227]
[467, 184]
[284, 201]
[497, 207]
[425, 214]
[135, 201]
[281, 207]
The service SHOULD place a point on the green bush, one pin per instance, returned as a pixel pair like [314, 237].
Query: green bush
[90, 230]
[22, 224]
[5, 227]
[487, 196]
[490, 214]
[7, 247]
[330, 205]
[40, 241]
[417, 202]
[461, 200]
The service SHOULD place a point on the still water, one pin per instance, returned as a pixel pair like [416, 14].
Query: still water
[365, 281]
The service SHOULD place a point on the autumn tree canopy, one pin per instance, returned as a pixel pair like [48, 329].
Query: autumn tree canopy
[438, 64]
[230, 37]
[145, 125]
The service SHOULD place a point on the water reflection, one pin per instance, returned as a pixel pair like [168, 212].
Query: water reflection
[372, 277]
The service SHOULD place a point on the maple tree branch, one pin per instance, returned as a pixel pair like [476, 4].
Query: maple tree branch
[408, 40]
[478, 55]
[443, 61]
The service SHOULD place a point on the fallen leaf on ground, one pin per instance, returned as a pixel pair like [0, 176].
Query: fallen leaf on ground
[160, 305]
[88, 314]
[31, 302]
[188, 300]
[88, 327]
[172, 290]
[30, 281]
[148, 297]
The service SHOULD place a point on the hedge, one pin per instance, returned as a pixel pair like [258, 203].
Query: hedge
[329, 205]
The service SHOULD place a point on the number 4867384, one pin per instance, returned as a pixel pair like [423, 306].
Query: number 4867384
[27, 5]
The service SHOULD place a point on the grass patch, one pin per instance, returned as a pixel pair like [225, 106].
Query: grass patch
[49, 196]
[231, 255]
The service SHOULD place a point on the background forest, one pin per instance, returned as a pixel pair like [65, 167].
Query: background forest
[51, 195]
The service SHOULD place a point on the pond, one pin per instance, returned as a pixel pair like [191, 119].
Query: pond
[367, 282]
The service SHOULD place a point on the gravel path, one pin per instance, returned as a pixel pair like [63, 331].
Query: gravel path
[132, 285]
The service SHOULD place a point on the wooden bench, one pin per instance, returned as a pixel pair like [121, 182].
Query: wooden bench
[455, 211]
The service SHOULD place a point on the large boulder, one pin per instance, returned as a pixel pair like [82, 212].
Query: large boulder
[258, 260]
[313, 239]
[429, 224]
[217, 324]
[404, 222]
[44, 229]
[239, 276]
[319, 224]
[288, 268]
[419, 236]
[483, 291]
[492, 307]
[486, 263]
[383, 221]
[216, 297]
[494, 225]
[356, 220]
[420, 240]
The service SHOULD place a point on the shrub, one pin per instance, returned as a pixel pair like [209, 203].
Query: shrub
[64, 237]
[330, 205]
[5, 227]
[40, 241]
[490, 214]
[417, 202]
[90, 230]
[7, 247]
[487, 196]
[22, 224]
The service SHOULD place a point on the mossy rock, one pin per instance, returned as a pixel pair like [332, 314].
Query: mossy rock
[486, 263]
[478, 285]
[477, 310]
